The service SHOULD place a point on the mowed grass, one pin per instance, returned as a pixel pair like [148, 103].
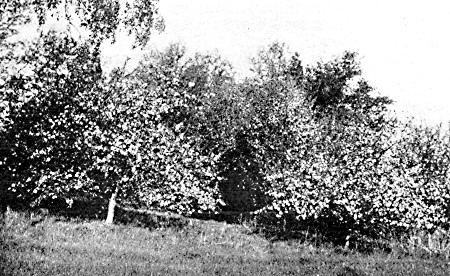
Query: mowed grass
[70, 247]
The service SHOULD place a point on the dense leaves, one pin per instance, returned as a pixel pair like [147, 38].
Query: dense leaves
[44, 152]
[310, 142]
[159, 110]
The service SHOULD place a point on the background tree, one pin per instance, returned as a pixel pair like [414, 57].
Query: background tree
[261, 130]
[101, 18]
[337, 88]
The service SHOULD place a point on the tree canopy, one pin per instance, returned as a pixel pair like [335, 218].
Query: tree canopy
[310, 143]
[102, 18]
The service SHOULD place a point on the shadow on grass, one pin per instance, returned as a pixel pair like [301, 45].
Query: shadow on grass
[96, 209]
[321, 231]
[149, 219]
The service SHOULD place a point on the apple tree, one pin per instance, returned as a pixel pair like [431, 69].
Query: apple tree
[160, 110]
[47, 117]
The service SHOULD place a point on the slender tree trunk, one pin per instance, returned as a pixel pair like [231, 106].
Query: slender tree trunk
[3, 209]
[3, 200]
[112, 206]
[347, 242]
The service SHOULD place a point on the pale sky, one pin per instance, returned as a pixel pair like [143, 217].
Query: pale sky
[404, 46]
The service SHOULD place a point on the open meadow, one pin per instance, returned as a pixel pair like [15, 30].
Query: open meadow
[57, 246]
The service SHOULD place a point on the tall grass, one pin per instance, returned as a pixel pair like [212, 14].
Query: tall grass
[48, 245]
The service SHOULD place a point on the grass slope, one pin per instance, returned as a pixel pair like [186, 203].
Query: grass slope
[63, 247]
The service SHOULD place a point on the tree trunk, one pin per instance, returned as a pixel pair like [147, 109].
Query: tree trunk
[3, 200]
[5, 210]
[112, 206]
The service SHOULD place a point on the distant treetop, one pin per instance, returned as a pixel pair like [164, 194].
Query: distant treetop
[101, 17]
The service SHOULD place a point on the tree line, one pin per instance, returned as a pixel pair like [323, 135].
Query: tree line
[313, 144]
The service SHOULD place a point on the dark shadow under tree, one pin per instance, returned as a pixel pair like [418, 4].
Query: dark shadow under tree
[241, 185]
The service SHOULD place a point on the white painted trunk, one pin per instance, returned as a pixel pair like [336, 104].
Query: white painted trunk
[347, 242]
[4, 211]
[112, 206]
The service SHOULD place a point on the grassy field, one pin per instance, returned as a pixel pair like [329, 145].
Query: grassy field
[56, 246]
